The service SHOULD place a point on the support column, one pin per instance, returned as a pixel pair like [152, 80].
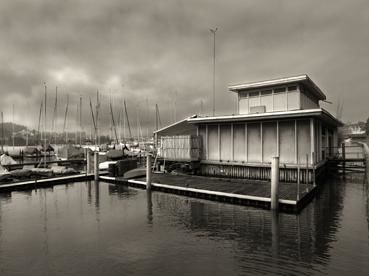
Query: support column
[207, 142]
[296, 145]
[246, 144]
[219, 155]
[232, 143]
[312, 141]
[261, 140]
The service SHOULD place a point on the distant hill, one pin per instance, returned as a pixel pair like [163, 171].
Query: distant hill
[8, 128]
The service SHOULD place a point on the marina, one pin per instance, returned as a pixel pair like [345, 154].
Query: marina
[184, 138]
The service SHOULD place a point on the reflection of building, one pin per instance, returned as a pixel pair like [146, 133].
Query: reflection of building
[306, 238]
[279, 117]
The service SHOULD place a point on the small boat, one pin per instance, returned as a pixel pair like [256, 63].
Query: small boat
[139, 172]
[4, 174]
[105, 165]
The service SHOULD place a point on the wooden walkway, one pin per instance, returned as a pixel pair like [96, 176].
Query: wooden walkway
[238, 191]
[44, 182]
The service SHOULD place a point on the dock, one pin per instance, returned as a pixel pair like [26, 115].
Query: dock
[235, 191]
[44, 182]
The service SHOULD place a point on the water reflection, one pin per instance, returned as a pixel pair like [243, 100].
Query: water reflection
[149, 207]
[258, 234]
[113, 232]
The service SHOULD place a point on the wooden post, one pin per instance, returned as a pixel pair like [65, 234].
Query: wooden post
[148, 172]
[88, 161]
[96, 165]
[274, 183]
[343, 157]
[313, 172]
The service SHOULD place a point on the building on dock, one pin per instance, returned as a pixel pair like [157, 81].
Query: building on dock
[280, 117]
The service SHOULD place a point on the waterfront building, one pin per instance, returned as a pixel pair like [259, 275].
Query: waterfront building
[280, 117]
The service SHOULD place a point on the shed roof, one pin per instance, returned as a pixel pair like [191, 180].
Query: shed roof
[303, 79]
[177, 128]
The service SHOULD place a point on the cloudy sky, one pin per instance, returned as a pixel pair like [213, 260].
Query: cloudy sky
[160, 51]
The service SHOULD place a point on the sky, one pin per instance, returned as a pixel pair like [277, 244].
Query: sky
[160, 52]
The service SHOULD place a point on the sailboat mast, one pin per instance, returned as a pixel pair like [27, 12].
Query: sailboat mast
[126, 113]
[13, 129]
[97, 117]
[93, 121]
[65, 121]
[39, 122]
[2, 132]
[112, 119]
[55, 113]
[76, 131]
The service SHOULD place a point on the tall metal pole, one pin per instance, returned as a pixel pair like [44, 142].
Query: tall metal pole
[2, 132]
[213, 31]
[45, 127]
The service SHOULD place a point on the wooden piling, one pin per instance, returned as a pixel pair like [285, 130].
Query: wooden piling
[313, 171]
[96, 165]
[148, 172]
[274, 195]
[343, 157]
[88, 161]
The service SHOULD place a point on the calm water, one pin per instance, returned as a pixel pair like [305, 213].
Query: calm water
[103, 229]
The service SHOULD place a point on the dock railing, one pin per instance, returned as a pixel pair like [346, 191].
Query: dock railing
[344, 152]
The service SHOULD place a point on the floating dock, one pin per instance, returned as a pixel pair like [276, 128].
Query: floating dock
[44, 182]
[292, 198]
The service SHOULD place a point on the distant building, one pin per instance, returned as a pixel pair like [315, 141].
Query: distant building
[352, 131]
[280, 117]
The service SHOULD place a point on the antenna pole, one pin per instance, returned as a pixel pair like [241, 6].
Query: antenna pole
[45, 127]
[213, 31]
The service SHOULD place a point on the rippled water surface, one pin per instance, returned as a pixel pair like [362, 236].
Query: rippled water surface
[103, 229]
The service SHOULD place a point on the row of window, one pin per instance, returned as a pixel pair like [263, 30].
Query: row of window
[266, 92]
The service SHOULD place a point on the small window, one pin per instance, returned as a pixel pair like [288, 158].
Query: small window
[292, 88]
[280, 90]
[254, 94]
[266, 92]
[243, 94]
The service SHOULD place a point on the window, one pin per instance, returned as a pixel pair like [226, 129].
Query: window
[254, 94]
[279, 90]
[243, 94]
[266, 92]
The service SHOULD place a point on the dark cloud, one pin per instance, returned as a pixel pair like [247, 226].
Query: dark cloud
[160, 52]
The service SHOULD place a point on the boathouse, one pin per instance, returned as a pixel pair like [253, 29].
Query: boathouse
[280, 117]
